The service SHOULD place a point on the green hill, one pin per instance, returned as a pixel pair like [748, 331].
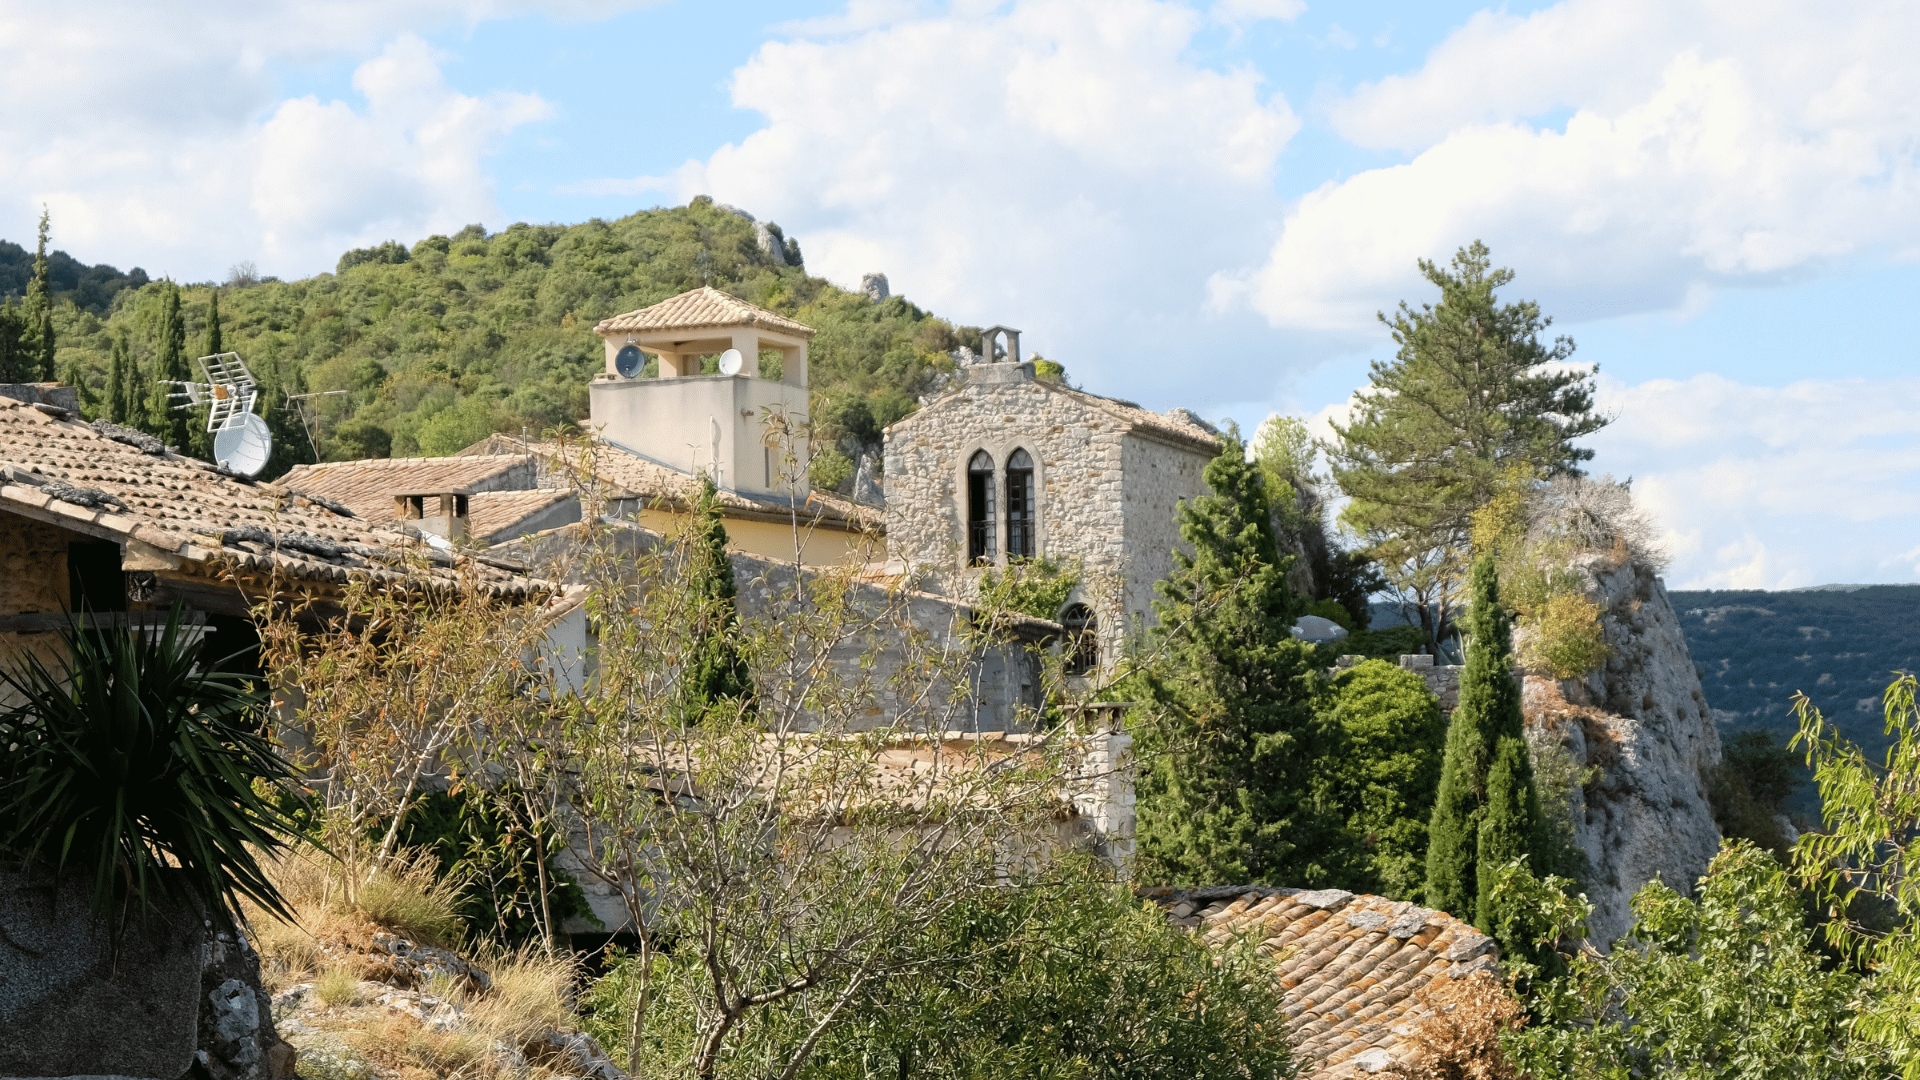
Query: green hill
[1840, 647]
[439, 344]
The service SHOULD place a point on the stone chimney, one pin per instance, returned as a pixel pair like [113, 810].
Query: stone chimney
[443, 515]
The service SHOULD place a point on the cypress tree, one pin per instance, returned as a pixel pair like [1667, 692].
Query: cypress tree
[1229, 747]
[213, 347]
[716, 682]
[38, 338]
[1487, 812]
[171, 426]
[120, 389]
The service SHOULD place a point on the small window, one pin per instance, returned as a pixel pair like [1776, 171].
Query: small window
[980, 516]
[1083, 639]
[1020, 506]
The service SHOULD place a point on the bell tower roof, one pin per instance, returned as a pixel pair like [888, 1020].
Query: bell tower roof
[704, 308]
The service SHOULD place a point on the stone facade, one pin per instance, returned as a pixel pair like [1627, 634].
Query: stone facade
[1107, 476]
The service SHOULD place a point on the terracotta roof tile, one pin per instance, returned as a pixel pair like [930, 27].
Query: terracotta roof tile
[1350, 966]
[97, 479]
[368, 487]
[700, 309]
[491, 513]
[632, 475]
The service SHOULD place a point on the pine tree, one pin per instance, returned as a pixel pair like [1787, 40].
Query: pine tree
[38, 340]
[1227, 792]
[1472, 392]
[1488, 811]
[715, 682]
[171, 426]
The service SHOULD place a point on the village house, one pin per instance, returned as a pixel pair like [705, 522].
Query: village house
[1007, 466]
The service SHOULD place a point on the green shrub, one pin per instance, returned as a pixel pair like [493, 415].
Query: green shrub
[1567, 638]
[1388, 767]
[1036, 587]
[131, 755]
[1044, 981]
[494, 854]
[830, 470]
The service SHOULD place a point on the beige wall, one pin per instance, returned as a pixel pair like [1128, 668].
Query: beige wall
[774, 540]
[672, 421]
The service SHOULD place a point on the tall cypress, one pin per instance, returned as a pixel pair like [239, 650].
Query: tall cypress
[715, 682]
[199, 442]
[213, 347]
[168, 424]
[1228, 749]
[1487, 812]
[120, 389]
[38, 338]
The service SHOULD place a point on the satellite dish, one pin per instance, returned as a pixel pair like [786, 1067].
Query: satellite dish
[244, 445]
[629, 361]
[730, 362]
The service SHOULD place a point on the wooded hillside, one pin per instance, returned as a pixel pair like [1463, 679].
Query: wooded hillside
[444, 342]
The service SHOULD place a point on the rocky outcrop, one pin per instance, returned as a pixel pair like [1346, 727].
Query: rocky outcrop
[237, 1039]
[1642, 727]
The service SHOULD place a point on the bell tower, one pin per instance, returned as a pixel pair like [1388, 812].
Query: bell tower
[694, 422]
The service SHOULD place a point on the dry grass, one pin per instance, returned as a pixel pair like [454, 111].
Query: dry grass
[337, 988]
[1460, 1039]
[332, 947]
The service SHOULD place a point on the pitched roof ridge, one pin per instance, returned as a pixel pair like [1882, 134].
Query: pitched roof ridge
[695, 309]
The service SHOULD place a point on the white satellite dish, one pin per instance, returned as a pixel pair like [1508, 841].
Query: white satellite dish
[730, 362]
[243, 445]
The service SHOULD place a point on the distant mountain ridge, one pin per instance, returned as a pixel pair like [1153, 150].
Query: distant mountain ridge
[1838, 644]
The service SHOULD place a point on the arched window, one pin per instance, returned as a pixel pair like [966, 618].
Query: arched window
[980, 519]
[1083, 639]
[1020, 506]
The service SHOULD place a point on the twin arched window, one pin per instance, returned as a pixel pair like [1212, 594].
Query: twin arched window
[983, 524]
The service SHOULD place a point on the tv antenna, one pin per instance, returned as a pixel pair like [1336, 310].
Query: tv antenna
[241, 441]
[298, 401]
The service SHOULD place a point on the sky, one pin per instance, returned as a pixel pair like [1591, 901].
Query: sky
[1197, 204]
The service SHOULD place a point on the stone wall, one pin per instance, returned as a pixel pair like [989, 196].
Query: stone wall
[33, 580]
[1157, 477]
[1106, 491]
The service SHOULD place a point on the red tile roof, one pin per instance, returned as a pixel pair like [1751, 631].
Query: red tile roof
[1351, 966]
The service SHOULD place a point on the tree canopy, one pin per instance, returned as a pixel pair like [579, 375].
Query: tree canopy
[1471, 392]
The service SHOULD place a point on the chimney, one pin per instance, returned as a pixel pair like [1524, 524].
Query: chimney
[443, 515]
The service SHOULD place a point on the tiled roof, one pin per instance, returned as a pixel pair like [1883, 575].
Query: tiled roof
[1351, 967]
[115, 482]
[643, 478]
[1179, 424]
[368, 487]
[490, 513]
[703, 308]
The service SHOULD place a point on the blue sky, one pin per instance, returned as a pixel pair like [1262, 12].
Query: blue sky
[1196, 204]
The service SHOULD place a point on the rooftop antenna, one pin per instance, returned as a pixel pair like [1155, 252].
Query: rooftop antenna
[241, 441]
[298, 401]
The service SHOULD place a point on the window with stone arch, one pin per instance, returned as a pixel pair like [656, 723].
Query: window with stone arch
[1020, 496]
[1082, 641]
[981, 520]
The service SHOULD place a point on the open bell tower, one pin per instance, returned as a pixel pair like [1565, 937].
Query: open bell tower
[694, 422]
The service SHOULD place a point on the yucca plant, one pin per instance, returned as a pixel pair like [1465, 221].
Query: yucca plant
[129, 756]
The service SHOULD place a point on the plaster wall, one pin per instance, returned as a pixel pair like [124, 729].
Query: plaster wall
[673, 421]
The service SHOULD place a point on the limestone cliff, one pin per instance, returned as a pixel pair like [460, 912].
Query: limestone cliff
[1643, 721]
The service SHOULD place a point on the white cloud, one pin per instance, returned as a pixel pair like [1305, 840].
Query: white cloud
[169, 146]
[1761, 487]
[1703, 144]
[1059, 166]
[1244, 12]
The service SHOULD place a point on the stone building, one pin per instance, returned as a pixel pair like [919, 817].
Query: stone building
[1008, 466]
